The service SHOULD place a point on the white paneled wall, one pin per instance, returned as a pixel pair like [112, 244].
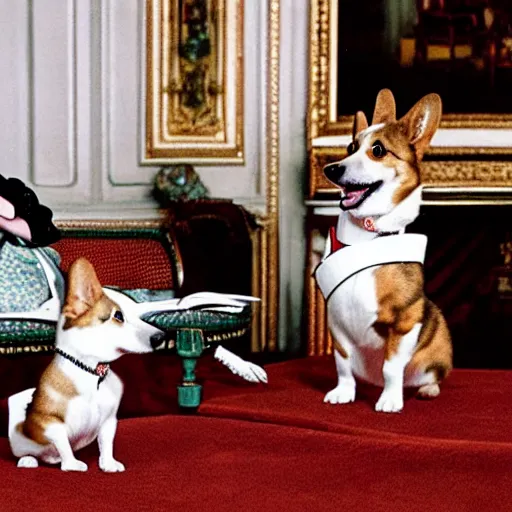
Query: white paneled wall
[45, 97]
[14, 92]
[72, 103]
[53, 78]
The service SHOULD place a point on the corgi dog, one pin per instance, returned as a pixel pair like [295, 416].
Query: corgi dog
[77, 398]
[386, 332]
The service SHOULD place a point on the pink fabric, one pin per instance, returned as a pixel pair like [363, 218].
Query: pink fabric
[16, 226]
[6, 209]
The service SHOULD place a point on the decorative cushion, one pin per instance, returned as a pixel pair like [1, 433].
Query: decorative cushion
[129, 263]
[22, 279]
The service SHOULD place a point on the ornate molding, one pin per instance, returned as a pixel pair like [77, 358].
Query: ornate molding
[467, 174]
[319, 158]
[194, 81]
[271, 237]
[106, 224]
[322, 115]
[441, 174]
[319, 338]
[319, 68]
[477, 121]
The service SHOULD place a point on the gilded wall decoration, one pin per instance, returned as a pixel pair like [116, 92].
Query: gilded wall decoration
[357, 48]
[194, 81]
[472, 151]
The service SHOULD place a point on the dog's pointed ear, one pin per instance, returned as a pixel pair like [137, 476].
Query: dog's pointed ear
[84, 289]
[385, 108]
[422, 121]
[360, 124]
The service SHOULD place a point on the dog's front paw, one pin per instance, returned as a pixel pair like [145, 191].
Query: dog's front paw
[111, 465]
[341, 394]
[390, 401]
[28, 462]
[73, 465]
[248, 371]
[253, 373]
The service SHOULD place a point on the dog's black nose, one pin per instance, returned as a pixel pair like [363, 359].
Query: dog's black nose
[157, 339]
[334, 172]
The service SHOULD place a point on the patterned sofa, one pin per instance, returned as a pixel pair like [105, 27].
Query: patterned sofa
[137, 256]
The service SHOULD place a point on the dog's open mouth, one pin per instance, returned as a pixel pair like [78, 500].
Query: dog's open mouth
[353, 194]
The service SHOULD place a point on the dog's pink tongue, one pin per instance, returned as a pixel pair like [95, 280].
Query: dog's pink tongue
[353, 197]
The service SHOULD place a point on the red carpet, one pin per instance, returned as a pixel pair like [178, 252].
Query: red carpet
[280, 448]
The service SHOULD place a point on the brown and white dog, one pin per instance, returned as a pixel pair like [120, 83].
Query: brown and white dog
[77, 398]
[386, 331]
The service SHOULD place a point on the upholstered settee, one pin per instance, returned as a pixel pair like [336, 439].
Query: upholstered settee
[268, 447]
[144, 258]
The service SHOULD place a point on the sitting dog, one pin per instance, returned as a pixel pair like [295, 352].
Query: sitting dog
[78, 396]
[386, 331]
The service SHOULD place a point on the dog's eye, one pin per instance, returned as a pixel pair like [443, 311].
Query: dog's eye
[352, 147]
[378, 150]
[118, 316]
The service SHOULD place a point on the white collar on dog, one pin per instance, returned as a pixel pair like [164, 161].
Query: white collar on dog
[352, 231]
[338, 267]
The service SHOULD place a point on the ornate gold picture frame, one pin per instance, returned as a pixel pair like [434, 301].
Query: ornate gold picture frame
[194, 82]
[471, 155]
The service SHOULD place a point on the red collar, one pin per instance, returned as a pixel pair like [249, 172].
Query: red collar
[336, 245]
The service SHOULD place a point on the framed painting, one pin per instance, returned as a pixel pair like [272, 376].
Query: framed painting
[461, 49]
[193, 82]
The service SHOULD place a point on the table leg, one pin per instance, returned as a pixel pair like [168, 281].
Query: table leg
[189, 346]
